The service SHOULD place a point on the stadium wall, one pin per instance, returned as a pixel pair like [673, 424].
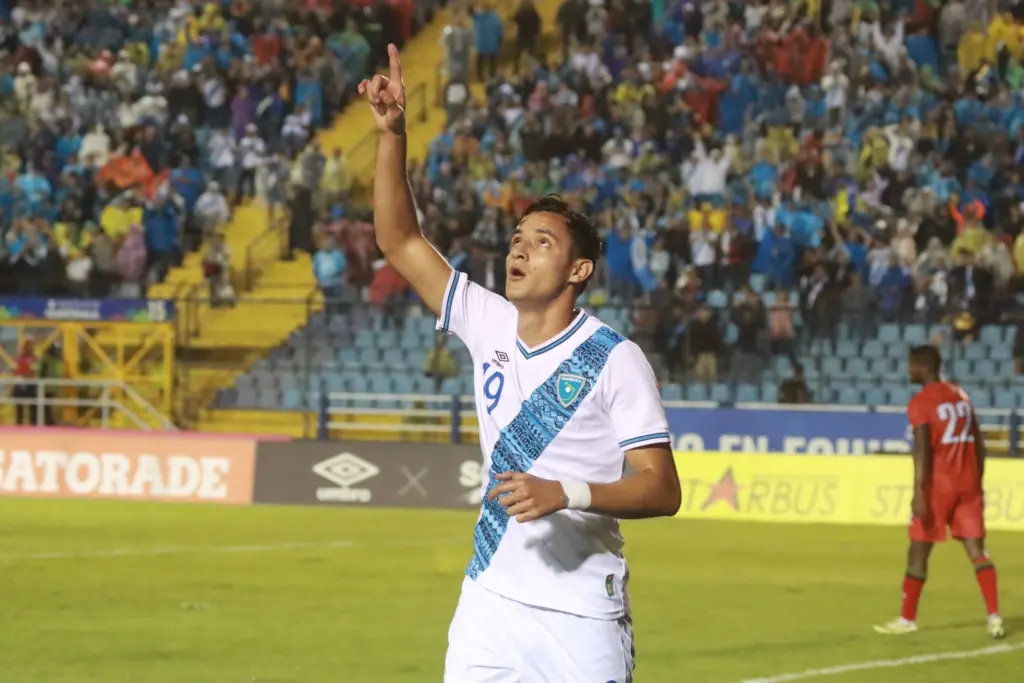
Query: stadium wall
[195, 468]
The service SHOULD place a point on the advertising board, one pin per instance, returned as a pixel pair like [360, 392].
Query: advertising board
[87, 310]
[365, 473]
[797, 431]
[156, 466]
[799, 488]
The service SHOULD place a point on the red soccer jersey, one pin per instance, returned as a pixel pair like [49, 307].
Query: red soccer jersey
[949, 414]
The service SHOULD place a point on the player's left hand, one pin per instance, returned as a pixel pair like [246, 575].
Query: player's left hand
[527, 497]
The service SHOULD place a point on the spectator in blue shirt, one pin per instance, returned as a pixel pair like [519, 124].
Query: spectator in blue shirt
[329, 265]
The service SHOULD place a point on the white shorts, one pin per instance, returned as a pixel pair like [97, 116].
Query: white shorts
[496, 640]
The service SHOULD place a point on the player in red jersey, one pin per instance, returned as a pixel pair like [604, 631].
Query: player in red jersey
[949, 464]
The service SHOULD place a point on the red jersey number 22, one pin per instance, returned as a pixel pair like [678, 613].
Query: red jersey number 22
[952, 414]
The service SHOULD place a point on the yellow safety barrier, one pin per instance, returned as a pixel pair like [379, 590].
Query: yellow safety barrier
[827, 489]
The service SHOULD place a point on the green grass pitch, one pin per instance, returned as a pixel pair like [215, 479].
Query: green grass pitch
[101, 592]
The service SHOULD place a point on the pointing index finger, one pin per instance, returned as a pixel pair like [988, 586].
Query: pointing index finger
[396, 65]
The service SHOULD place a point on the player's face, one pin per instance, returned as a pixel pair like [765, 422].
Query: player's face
[540, 264]
[915, 372]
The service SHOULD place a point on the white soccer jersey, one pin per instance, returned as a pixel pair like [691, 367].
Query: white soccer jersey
[567, 409]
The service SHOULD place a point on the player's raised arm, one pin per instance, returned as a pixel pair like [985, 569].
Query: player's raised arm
[394, 213]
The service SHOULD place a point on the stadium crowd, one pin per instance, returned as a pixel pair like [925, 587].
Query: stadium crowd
[130, 130]
[786, 167]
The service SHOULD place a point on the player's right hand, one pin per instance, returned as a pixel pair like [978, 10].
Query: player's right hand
[386, 95]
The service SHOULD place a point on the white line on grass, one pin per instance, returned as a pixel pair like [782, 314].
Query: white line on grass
[203, 550]
[1000, 649]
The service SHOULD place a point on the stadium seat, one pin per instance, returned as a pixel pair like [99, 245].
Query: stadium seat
[975, 351]
[961, 369]
[876, 397]
[451, 387]
[847, 349]
[1002, 352]
[292, 400]
[849, 396]
[369, 357]
[769, 392]
[889, 333]
[697, 391]
[757, 282]
[671, 392]
[716, 298]
[393, 358]
[856, 368]
[992, 335]
[721, 392]
[832, 368]
[985, 370]
[873, 349]
[732, 333]
[746, 393]
[915, 334]
[380, 383]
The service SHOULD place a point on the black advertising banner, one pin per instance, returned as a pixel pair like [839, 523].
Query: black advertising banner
[368, 473]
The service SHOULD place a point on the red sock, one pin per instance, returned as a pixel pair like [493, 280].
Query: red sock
[912, 587]
[985, 571]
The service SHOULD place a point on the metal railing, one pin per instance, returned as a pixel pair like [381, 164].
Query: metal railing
[263, 250]
[196, 304]
[113, 404]
[342, 413]
[430, 417]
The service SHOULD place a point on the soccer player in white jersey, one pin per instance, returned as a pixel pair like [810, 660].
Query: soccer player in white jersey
[563, 401]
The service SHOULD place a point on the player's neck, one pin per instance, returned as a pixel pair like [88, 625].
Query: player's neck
[537, 325]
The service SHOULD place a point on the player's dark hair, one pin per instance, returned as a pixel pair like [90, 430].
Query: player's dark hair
[926, 355]
[586, 242]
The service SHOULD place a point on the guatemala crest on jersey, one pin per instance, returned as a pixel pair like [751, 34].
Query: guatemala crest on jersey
[569, 388]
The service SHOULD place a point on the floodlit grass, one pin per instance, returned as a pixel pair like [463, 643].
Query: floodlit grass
[98, 592]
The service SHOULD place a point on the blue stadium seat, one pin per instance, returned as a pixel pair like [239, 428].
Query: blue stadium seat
[847, 349]
[732, 333]
[746, 393]
[914, 334]
[671, 392]
[268, 399]
[697, 391]
[386, 339]
[451, 387]
[379, 383]
[880, 367]
[782, 366]
[876, 397]
[1005, 369]
[961, 369]
[991, 335]
[334, 382]
[899, 396]
[896, 351]
[717, 299]
[975, 351]
[985, 370]
[393, 358]
[768, 298]
[409, 339]
[832, 367]
[421, 384]
[982, 399]
[366, 339]
[1003, 352]
[889, 333]
[1005, 400]
[769, 392]
[873, 349]
[721, 393]
[292, 400]
[849, 396]
[856, 367]
[757, 282]
[369, 357]
[358, 384]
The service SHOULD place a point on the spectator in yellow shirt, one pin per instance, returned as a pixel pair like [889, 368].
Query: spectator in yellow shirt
[707, 217]
[973, 48]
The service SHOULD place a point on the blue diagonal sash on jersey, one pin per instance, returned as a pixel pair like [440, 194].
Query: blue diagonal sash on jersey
[522, 441]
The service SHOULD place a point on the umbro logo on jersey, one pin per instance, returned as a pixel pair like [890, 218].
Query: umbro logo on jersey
[500, 357]
[569, 388]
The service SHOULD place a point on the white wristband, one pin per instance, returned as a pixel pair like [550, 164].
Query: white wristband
[577, 494]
